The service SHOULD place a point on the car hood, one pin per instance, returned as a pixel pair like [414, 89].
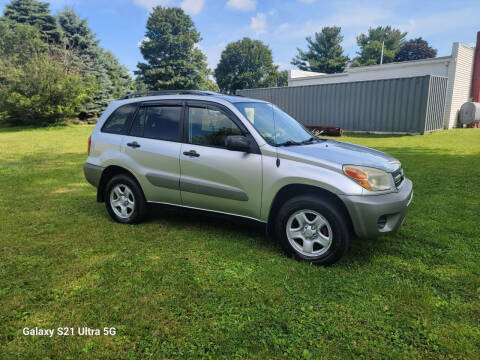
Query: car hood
[336, 154]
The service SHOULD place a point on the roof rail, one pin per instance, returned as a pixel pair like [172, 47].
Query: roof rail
[168, 92]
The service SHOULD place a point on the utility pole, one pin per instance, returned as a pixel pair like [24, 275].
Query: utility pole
[381, 56]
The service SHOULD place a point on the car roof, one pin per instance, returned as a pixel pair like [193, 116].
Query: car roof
[238, 99]
[185, 95]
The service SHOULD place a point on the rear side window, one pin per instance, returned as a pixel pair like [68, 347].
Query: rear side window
[118, 122]
[210, 127]
[160, 122]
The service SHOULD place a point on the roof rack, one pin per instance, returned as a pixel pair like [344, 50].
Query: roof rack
[168, 92]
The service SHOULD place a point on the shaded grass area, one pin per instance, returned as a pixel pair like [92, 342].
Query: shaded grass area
[186, 285]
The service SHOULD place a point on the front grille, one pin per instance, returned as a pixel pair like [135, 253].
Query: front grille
[398, 176]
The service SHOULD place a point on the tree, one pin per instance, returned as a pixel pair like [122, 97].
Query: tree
[415, 49]
[37, 87]
[113, 78]
[121, 81]
[173, 61]
[78, 35]
[245, 64]
[75, 52]
[37, 14]
[276, 78]
[139, 85]
[371, 45]
[18, 41]
[209, 85]
[324, 54]
[282, 78]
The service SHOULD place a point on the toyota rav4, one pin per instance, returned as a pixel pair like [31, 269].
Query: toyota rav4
[244, 157]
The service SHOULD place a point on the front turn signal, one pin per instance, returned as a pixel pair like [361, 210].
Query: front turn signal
[358, 176]
[370, 178]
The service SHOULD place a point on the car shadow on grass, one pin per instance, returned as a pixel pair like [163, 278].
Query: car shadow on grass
[361, 250]
[192, 217]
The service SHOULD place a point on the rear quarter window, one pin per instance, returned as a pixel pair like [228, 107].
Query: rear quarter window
[118, 122]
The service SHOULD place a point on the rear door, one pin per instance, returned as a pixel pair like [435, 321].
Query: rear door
[152, 148]
[213, 177]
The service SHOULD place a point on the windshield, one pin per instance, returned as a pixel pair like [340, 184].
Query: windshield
[275, 126]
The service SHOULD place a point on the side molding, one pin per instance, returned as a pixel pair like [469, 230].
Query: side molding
[211, 188]
[164, 180]
[192, 185]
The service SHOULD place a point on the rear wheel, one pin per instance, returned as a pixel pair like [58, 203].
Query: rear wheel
[124, 200]
[313, 229]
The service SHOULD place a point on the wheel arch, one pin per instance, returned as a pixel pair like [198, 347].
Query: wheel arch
[107, 174]
[291, 190]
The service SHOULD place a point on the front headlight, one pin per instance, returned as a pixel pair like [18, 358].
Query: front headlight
[370, 178]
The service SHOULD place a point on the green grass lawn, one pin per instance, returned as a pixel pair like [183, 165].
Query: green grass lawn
[185, 285]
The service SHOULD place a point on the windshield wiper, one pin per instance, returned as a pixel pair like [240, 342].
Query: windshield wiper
[304, 142]
[289, 143]
[312, 139]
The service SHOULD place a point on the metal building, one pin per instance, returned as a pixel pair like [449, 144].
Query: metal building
[457, 67]
[404, 105]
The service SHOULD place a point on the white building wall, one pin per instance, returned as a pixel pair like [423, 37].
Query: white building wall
[294, 73]
[438, 66]
[458, 68]
[459, 82]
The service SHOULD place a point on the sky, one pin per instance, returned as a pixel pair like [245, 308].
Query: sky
[282, 25]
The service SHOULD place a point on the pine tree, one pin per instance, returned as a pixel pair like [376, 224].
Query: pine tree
[35, 13]
[324, 54]
[121, 81]
[172, 59]
[371, 45]
[78, 35]
[112, 78]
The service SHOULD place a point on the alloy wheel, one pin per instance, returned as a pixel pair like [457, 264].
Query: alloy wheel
[309, 233]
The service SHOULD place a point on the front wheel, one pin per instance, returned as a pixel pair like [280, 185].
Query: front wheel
[313, 229]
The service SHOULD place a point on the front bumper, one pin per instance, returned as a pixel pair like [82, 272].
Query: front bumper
[365, 211]
[93, 173]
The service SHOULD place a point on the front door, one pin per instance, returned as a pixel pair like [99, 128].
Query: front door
[213, 177]
[152, 149]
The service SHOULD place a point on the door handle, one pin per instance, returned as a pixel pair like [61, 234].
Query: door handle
[191, 153]
[133, 144]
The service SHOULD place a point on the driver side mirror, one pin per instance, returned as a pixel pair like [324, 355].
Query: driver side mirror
[237, 143]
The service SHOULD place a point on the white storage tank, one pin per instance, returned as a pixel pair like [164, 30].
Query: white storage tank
[469, 113]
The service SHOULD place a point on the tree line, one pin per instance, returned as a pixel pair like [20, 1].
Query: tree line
[381, 44]
[52, 67]
[174, 62]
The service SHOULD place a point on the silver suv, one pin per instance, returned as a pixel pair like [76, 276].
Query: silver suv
[248, 158]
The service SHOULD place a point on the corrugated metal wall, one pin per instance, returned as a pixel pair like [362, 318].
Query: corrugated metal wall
[436, 104]
[404, 105]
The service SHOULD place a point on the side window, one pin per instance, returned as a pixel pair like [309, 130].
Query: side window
[163, 123]
[139, 123]
[210, 127]
[117, 122]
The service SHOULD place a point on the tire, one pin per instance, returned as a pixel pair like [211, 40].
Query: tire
[124, 200]
[324, 235]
